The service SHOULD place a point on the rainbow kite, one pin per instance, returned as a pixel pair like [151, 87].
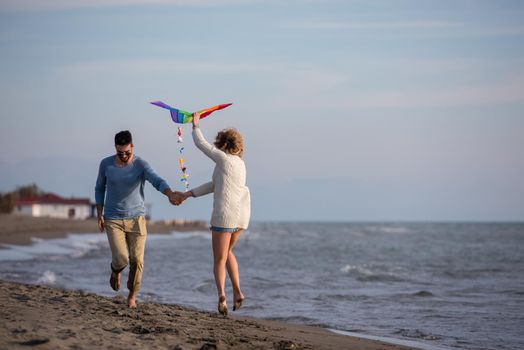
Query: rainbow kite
[182, 117]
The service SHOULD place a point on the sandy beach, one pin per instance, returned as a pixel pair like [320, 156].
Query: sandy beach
[48, 318]
[51, 318]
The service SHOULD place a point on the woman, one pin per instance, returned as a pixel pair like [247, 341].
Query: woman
[231, 205]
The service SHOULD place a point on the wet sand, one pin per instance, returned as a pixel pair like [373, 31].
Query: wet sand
[41, 317]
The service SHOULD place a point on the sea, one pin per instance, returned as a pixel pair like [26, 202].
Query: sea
[429, 285]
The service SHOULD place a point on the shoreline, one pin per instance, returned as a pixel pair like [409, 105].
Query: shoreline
[54, 318]
[19, 230]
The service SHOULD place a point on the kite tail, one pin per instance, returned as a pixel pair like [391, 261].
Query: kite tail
[185, 175]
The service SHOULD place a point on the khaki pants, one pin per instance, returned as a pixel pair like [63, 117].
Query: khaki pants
[127, 239]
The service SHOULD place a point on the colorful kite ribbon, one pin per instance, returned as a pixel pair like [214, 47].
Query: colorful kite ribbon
[185, 175]
[182, 117]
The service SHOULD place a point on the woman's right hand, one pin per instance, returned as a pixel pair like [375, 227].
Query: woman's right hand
[196, 119]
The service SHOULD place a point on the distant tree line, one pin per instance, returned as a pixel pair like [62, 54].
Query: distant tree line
[8, 199]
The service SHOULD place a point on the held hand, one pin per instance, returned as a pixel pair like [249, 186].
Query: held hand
[177, 198]
[173, 199]
[101, 224]
[196, 119]
[187, 194]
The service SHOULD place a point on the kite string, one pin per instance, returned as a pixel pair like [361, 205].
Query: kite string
[183, 168]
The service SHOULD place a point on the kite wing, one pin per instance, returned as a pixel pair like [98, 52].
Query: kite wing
[178, 115]
[208, 111]
[183, 117]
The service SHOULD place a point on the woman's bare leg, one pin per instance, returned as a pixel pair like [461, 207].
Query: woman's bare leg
[221, 242]
[232, 267]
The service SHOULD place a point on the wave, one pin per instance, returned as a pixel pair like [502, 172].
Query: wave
[416, 333]
[365, 274]
[512, 291]
[299, 320]
[48, 277]
[341, 297]
[151, 297]
[269, 284]
[74, 246]
[205, 287]
[416, 344]
[388, 229]
[461, 273]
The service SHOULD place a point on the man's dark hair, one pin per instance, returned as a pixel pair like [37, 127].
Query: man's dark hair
[123, 138]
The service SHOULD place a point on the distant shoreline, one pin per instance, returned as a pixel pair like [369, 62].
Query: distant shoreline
[19, 230]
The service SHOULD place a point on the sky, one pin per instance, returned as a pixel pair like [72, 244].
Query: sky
[390, 110]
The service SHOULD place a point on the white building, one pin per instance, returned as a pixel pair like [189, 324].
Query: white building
[54, 206]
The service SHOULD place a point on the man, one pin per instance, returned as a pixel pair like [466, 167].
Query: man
[119, 194]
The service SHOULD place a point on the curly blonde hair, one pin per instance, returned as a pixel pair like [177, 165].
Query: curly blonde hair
[230, 141]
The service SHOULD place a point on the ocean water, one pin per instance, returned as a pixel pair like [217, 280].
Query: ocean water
[441, 285]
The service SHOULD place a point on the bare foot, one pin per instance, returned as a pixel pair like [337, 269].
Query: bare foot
[222, 306]
[238, 298]
[114, 281]
[131, 300]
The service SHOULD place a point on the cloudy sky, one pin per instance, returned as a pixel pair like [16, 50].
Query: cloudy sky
[351, 110]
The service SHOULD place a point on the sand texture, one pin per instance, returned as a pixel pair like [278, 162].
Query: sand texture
[41, 317]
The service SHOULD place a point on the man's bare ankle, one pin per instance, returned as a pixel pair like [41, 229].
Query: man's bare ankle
[131, 299]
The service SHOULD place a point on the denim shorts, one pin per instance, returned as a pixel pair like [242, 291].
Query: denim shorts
[224, 229]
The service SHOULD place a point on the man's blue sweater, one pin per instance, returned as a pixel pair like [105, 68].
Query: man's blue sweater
[121, 189]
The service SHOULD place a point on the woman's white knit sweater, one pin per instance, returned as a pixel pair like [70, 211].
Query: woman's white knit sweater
[231, 200]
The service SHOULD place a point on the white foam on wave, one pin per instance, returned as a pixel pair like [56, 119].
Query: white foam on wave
[47, 277]
[356, 269]
[365, 273]
[74, 245]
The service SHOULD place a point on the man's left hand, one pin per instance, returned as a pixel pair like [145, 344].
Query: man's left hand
[177, 198]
